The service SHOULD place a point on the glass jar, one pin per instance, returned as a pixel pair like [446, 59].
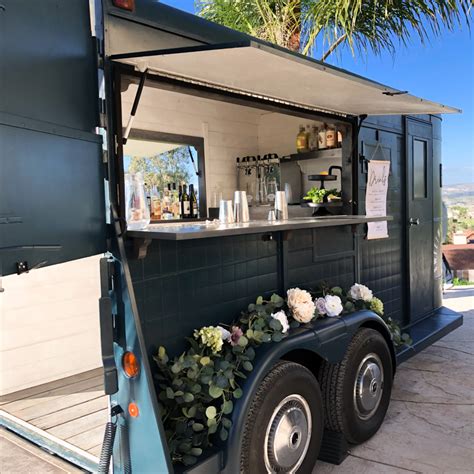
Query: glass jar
[137, 212]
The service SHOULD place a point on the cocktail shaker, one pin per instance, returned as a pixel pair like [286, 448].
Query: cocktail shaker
[241, 207]
[281, 206]
[226, 213]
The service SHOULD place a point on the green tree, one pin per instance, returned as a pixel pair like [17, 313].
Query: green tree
[360, 24]
[168, 167]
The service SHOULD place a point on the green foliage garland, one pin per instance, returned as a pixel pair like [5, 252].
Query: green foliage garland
[199, 387]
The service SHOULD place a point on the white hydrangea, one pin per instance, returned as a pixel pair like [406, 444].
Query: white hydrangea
[281, 316]
[360, 292]
[333, 305]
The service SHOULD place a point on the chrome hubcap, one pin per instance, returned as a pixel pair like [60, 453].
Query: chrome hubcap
[288, 435]
[368, 387]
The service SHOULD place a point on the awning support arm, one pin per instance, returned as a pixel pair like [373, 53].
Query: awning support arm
[135, 106]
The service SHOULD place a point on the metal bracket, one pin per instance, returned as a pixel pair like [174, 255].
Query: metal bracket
[140, 248]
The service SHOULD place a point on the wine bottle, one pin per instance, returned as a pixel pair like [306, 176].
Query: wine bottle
[185, 204]
[193, 202]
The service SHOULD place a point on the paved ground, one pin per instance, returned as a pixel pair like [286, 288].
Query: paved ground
[429, 427]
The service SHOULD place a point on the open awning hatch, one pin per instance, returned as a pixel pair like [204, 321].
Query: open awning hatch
[275, 74]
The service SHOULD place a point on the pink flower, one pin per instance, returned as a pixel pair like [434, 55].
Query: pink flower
[235, 335]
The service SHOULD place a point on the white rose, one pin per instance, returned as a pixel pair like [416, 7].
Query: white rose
[333, 305]
[281, 316]
[360, 292]
[225, 335]
[304, 312]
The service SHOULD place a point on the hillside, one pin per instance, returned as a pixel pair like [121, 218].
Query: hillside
[459, 195]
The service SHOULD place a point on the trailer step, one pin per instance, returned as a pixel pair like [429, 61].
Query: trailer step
[429, 330]
[49, 442]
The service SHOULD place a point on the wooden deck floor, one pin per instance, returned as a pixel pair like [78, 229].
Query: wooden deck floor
[73, 409]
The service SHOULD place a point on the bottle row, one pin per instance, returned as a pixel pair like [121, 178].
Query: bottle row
[312, 138]
[172, 202]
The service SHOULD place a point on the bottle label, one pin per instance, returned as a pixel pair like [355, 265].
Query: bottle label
[186, 208]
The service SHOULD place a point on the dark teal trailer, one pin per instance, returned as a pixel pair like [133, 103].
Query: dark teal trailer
[65, 106]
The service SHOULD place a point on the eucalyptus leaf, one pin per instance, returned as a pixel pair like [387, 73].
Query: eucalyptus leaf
[277, 337]
[227, 407]
[247, 366]
[211, 412]
[188, 397]
[205, 360]
[223, 434]
[215, 391]
[169, 393]
[243, 341]
[198, 427]
[259, 300]
[189, 460]
[238, 393]
[226, 423]
[196, 451]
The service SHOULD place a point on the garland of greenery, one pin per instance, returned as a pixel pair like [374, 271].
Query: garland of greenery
[198, 388]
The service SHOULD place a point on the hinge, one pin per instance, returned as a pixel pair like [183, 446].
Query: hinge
[103, 113]
[99, 47]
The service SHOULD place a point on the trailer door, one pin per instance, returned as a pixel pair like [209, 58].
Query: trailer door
[420, 217]
[51, 171]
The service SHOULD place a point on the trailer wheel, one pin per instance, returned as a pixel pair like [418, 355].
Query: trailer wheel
[356, 391]
[284, 424]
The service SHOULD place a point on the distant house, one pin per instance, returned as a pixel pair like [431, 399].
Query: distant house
[463, 237]
[460, 258]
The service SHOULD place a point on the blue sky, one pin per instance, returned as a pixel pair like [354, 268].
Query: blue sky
[441, 70]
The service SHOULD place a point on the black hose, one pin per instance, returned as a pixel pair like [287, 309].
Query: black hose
[107, 447]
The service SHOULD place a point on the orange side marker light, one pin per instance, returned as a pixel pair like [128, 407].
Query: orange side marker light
[130, 364]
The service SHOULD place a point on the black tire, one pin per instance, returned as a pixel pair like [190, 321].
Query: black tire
[343, 411]
[285, 381]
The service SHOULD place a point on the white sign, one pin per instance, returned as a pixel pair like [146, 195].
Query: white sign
[376, 198]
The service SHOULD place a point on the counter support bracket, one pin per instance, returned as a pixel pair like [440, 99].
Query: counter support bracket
[140, 247]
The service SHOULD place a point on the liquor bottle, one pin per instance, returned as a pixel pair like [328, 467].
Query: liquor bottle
[313, 139]
[339, 139]
[176, 204]
[166, 205]
[193, 202]
[185, 204]
[155, 203]
[322, 137]
[302, 140]
[330, 137]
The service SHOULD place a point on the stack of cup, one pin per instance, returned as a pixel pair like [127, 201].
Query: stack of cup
[281, 206]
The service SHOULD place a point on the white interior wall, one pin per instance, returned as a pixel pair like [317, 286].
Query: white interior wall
[228, 130]
[277, 134]
[49, 324]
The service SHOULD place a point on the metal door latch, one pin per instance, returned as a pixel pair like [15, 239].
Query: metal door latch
[414, 221]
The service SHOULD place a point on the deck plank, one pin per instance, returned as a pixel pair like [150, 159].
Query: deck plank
[17, 406]
[88, 439]
[80, 425]
[96, 450]
[58, 403]
[46, 387]
[69, 414]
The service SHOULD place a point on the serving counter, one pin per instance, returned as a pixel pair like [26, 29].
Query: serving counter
[207, 229]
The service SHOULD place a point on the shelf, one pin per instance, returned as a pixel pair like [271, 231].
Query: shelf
[316, 154]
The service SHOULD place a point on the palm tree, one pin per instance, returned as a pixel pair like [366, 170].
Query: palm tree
[361, 24]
